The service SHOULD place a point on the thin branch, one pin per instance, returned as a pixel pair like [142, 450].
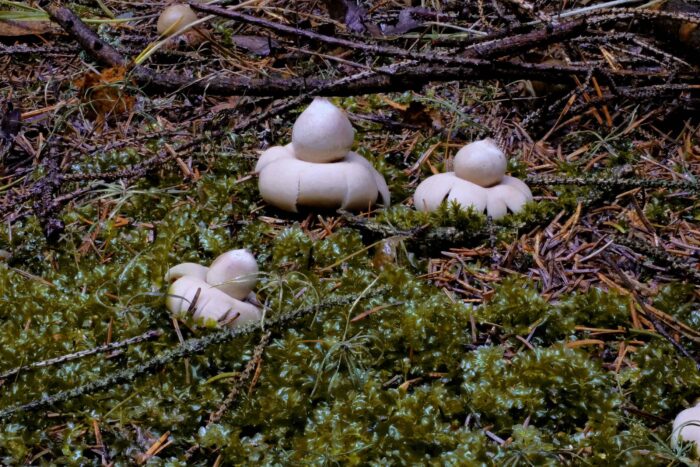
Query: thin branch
[613, 182]
[236, 386]
[147, 336]
[85, 36]
[659, 255]
[482, 68]
[188, 348]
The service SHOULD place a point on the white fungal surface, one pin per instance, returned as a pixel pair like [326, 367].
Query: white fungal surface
[174, 18]
[317, 169]
[686, 426]
[481, 162]
[186, 269]
[479, 181]
[322, 133]
[208, 304]
[234, 273]
[218, 294]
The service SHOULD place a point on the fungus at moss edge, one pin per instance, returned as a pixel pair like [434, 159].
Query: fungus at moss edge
[221, 293]
[686, 427]
[318, 169]
[478, 181]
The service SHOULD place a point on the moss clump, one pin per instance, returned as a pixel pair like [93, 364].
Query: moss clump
[403, 385]
[518, 308]
[559, 389]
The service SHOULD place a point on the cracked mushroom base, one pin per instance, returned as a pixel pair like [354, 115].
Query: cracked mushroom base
[510, 194]
[288, 183]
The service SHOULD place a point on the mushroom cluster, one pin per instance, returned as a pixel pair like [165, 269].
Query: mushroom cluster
[686, 427]
[479, 180]
[220, 293]
[318, 169]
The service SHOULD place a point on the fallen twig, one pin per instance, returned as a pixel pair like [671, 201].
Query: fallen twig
[613, 182]
[236, 386]
[482, 69]
[147, 336]
[188, 348]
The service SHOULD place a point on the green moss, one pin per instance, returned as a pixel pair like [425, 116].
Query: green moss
[454, 215]
[559, 390]
[659, 385]
[394, 378]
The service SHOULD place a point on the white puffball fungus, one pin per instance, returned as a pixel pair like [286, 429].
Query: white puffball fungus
[174, 18]
[686, 426]
[211, 306]
[234, 273]
[322, 133]
[317, 169]
[479, 181]
[481, 162]
[223, 289]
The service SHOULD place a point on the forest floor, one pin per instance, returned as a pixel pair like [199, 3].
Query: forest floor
[566, 333]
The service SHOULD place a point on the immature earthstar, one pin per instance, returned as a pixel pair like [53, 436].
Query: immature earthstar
[686, 426]
[174, 18]
[215, 294]
[479, 181]
[234, 273]
[318, 169]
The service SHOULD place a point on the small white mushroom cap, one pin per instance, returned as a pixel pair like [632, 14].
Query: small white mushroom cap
[235, 273]
[686, 426]
[211, 305]
[322, 133]
[186, 269]
[481, 162]
[174, 18]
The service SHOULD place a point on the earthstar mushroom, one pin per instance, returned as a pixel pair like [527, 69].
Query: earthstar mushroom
[317, 169]
[234, 273]
[686, 426]
[211, 305]
[174, 18]
[478, 180]
[217, 293]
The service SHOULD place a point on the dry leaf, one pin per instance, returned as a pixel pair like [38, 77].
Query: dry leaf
[407, 21]
[257, 45]
[686, 32]
[419, 114]
[230, 103]
[347, 12]
[10, 122]
[104, 94]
